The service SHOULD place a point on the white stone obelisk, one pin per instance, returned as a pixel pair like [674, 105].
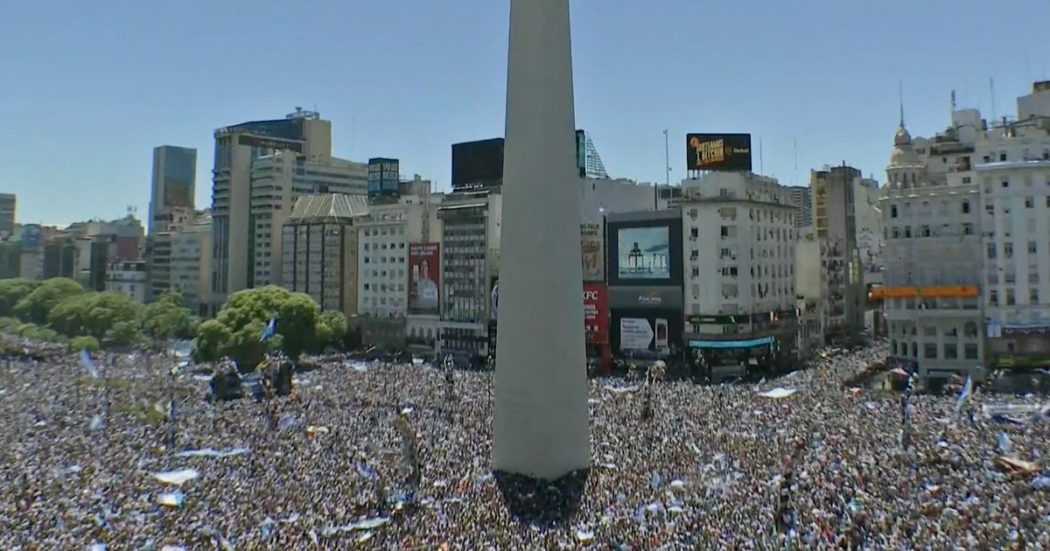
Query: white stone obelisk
[541, 427]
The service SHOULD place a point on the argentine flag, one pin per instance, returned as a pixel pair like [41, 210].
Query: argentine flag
[85, 360]
[270, 330]
[964, 394]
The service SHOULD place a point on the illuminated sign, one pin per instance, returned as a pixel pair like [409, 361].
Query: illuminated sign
[722, 152]
[938, 291]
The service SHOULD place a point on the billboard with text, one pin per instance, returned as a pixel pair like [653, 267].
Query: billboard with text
[722, 152]
[596, 313]
[591, 243]
[424, 284]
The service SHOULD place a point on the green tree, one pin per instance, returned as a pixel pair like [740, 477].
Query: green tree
[246, 313]
[168, 319]
[331, 330]
[79, 343]
[125, 333]
[94, 314]
[36, 306]
[12, 291]
[212, 340]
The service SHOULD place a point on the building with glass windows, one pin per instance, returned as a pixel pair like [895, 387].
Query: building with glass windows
[174, 183]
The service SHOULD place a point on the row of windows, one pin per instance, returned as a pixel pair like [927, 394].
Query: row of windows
[1011, 297]
[930, 351]
[925, 209]
[384, 288]
[383, 260]
[1008, 249]
[383, 246]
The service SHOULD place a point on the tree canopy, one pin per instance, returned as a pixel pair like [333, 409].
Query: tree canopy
[36, 306]
[12, 291]
[168, 319]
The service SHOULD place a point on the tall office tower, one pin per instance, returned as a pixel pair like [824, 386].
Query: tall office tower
[237, 150]
[541, 420]
[802, 200]
[835, 221]
[174, 183]
[8, 203]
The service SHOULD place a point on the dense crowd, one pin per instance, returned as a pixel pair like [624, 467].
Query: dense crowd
[80, 459]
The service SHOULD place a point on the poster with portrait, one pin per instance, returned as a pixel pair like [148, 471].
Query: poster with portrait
[424, 273]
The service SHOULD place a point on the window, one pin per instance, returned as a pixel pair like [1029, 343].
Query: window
[993, 297]
[1029, 202]
[1010, 299]
[914, 350]
[968, 229]
[970, 351]
[929, 331]
[991, 251]
[929, 351]
[925, 231]
[970, 330]
[951, 351]
[907, 232]
[966, 207]
[1008, 250]
[896, 233]
[1002, 156]
[1031, 247]
[1033, 296]
[1005, 184]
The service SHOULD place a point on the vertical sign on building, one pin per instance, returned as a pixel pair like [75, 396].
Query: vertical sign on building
[383, 177]
[596, 313]
[424, 283]
[593, 248]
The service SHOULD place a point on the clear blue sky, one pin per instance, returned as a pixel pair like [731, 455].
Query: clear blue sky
[88, 88]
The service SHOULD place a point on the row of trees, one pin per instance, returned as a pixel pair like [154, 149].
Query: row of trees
[60, 310]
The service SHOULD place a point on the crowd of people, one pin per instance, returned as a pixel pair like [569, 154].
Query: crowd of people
[801, 462]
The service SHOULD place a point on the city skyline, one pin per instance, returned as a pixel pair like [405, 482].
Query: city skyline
[424, 85]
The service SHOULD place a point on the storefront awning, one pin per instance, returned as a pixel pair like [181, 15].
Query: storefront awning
[750, 343]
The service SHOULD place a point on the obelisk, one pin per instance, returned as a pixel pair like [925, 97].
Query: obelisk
[541, 427]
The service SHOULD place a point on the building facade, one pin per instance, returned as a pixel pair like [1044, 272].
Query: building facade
[159, 248]
[470, 241]
[835, 222]
[237, 149]
[802, 200]
[8, 207]
[739, 248]
[320, 243]
[174, 183]
[128, 278]
[190, 266]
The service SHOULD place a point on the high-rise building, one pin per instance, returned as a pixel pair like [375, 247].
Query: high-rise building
[159, 248]
[802, 200]
[469, 248]
[174, 183]
[320, 244]
[739, 241]
[1012, 166]
[8, 206]
[190, 265]
[588, 162]
[835, 221]
[237, 150]
[277, 181]
[931, 214]
[60, 255]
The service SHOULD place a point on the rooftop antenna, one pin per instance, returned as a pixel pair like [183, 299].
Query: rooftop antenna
[794, 177]
[991, 86]
[953, 100]
[761, 161]
[900, 97]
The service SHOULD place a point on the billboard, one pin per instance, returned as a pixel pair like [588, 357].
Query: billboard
[723, 152]
[383, 176]
[643, 253]
[596, 313]
[424, 284]
[477, 164]
[592, 245]
[642, 330]
[269, 143]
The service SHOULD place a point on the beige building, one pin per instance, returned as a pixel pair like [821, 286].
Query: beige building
[128, 278]
[835, 222]
[190, 266]
[237, 150]
[158, 255]
[320, 249]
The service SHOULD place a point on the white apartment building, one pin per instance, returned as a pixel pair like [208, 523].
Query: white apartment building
[128, 278]
[190, 265]
[1012, 166]
[739, 240]
[277, 181]
[930, 207]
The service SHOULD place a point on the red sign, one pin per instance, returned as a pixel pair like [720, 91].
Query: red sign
[424, 278]
[596, 312]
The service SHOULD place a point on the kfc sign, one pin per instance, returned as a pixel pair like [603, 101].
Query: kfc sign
[596, 313]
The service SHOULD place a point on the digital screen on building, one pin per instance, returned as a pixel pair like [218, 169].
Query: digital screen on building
[424, 272]
[384, 176]
[644, 253]
[637, 330]
[718, 152]
[477, 164]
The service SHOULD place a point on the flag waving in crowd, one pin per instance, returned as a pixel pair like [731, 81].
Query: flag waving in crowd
[89, 365]
[270, 330]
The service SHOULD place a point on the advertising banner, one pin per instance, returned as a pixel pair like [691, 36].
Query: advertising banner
[269, 143]
[596, 313]
[424, 284]
[644, 253]
[384, 176]
[724, 152]
[635, 334]
[591, 241]
[477, 164]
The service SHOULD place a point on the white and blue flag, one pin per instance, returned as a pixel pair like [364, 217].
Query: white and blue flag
[89, 365]
[270, 330]
[964, 394]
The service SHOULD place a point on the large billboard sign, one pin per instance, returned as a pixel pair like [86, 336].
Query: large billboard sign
[269, 143]
[596, 313]
[591, 242]
[477, 164]
[646, 330]
[644, 253]
[722, 152]
[383, 176]
[424, 284]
